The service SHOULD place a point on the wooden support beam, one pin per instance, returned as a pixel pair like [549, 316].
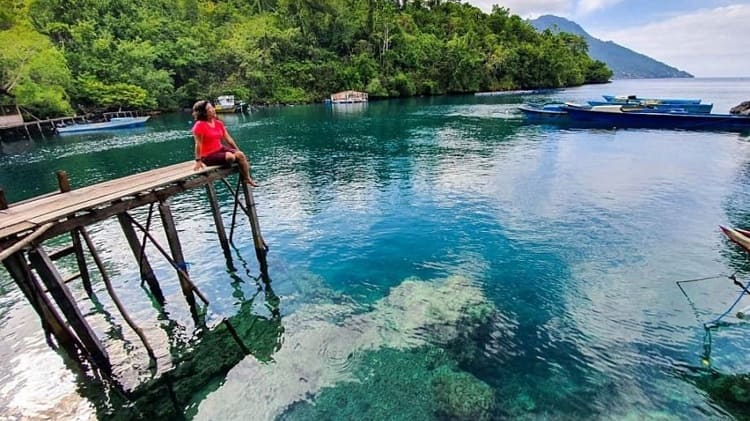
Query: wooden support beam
[59, 254]
[83, 269]
[67, 304]
[26, 241]
[261, 249]
[169, 259]
[216, 211]
[147, 273]
[174, 246]
[236, 201]
[52, 323]
[113, 295]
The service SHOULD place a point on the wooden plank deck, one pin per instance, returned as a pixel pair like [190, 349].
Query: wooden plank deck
[27, 215]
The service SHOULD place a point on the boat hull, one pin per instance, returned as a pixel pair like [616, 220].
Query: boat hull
[738, 236]
[545, 112]
[658, 120]
[115, 123]
[687, 108]
[615, 98]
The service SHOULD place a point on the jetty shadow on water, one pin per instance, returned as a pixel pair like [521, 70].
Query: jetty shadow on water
[198, 365]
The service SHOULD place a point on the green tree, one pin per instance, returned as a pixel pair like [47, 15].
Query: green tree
[166, 54]
[34, 71]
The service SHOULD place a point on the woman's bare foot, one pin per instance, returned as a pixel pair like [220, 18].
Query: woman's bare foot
[251, 182]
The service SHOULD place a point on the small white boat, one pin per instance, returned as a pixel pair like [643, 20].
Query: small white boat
[114, 123]
[227, 104]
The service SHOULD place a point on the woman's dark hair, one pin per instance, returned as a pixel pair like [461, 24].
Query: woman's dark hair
[199, 110]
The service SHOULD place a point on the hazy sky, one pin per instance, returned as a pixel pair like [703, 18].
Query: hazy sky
[704, 37]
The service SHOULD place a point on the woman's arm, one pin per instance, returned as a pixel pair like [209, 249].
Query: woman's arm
[198, 162]
[229, 140]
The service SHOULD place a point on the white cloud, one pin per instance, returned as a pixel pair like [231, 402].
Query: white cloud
[528, 8]
[534, 8]
[707, 42]
[588, 6]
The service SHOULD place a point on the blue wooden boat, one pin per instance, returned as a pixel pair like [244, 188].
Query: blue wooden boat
[114, 123]
[703, 108]
[614, 117]
[555, 110]
[621, 98]
[559, 111]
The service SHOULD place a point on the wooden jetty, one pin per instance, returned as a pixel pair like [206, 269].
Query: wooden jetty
[26, 225]
[14, 123]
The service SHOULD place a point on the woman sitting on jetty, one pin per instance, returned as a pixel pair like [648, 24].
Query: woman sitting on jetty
[209, 132]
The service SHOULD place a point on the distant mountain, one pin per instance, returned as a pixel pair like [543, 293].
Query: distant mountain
[625, 63]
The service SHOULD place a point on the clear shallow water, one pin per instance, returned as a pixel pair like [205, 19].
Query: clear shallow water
[575, 236]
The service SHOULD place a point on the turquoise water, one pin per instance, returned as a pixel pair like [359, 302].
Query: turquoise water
[574, 237]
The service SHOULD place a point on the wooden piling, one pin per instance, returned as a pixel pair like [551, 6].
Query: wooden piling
[52, 323]
[62, 181]
[260, 246]
[171, 261]
[216, 211]
[174, 246]
[147, 273]
[81, 261]
[67, 304]
[113, 295]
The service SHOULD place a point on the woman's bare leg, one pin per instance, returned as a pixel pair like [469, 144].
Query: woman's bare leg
[244, 167]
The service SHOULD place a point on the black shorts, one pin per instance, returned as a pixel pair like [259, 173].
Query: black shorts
[219, 157]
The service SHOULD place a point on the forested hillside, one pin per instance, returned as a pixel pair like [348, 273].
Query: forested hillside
[624, 62]
[63, 56]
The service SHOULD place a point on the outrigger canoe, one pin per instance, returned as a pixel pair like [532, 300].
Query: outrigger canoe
[738, 236]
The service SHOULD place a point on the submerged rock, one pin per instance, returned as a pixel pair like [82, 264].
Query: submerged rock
[321, 340]
[385, 379]
[425, 377]
[732, 392]
[741, 109]
[461, 396]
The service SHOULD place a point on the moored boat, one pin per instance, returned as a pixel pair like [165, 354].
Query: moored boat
[227, 104]
[114, 123]
[620, 116]
[555, 110]
[738, 236]
[702, 108]
[625, 98]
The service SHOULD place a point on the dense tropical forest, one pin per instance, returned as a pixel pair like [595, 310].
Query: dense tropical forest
[58, 57]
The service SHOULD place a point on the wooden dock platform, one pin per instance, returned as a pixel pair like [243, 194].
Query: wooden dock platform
[78, 207]
[24, 226]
